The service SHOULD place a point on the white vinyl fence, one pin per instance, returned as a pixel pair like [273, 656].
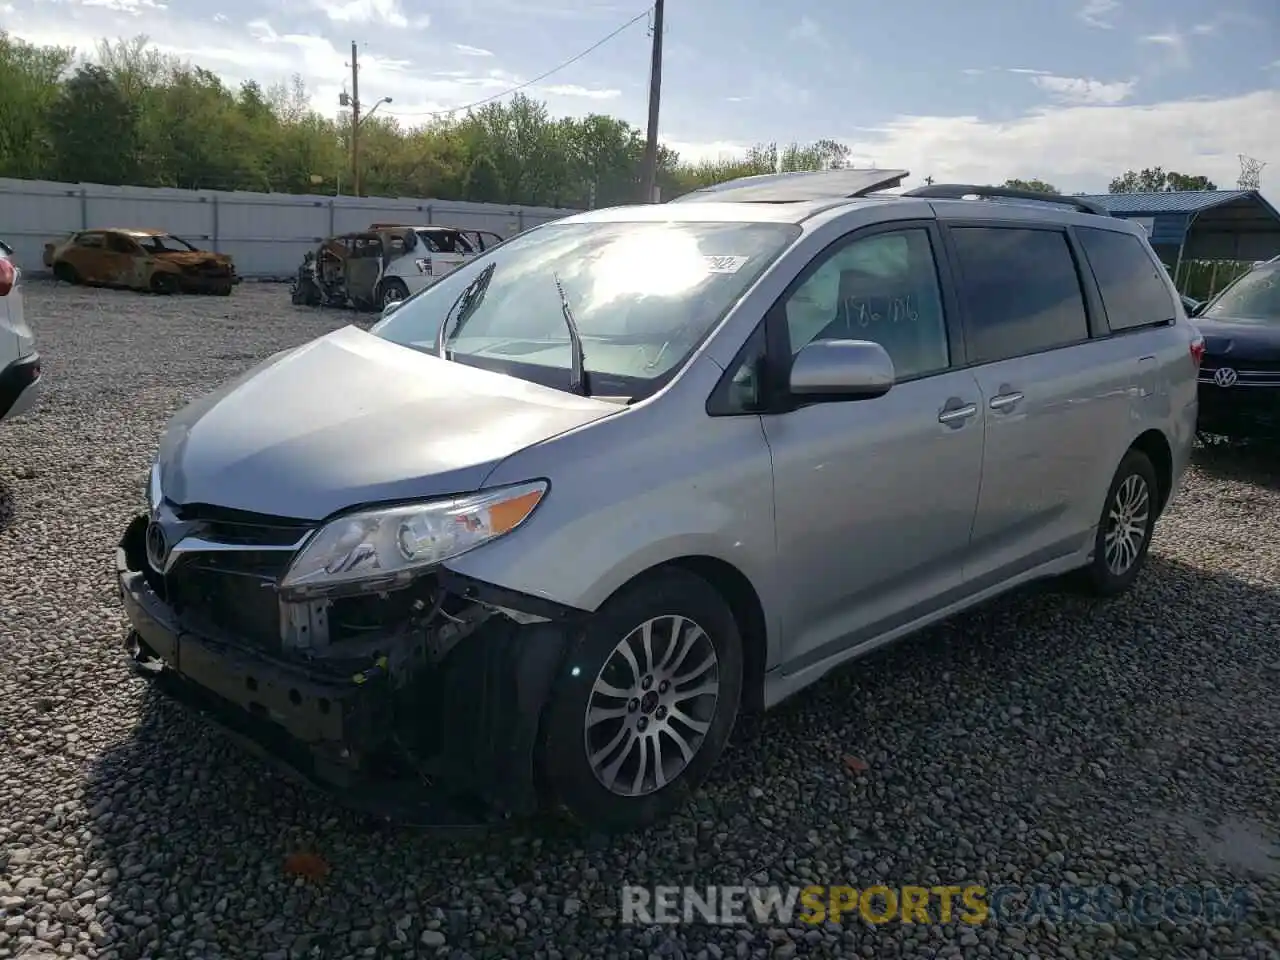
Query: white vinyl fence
[265, 233]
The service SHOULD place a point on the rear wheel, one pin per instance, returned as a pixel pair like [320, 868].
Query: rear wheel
[1125, 529]
[647, 704]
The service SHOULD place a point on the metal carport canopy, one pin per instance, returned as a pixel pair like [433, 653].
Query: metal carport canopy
[1205, 224]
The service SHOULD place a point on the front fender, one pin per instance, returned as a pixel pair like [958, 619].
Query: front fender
[632, 491]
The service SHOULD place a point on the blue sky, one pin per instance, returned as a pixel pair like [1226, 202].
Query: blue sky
[1072, 91]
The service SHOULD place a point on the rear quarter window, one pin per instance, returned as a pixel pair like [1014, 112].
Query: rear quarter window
[1133, 291]
[1021, 291]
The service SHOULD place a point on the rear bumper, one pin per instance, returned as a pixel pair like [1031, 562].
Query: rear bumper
[347, 736]
[20, 384]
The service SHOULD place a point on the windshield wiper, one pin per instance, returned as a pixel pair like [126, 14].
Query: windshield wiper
[465, 306]
[577, 362]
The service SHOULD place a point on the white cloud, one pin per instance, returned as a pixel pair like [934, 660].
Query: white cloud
[973, 71]
[1082, 90]
[1173, 42]
[469, 51]
[1096, 13]
[1029, 73]
[574, 90]
[388, 12]
[131, 7]
[1073, 147]
[807, 30]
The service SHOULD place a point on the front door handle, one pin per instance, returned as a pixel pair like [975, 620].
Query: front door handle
[957, 415]
[1006, 401]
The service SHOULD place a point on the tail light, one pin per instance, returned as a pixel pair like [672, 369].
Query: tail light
[1197, 350]
[8, 276]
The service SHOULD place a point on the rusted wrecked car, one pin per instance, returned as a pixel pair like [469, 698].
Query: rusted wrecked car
[369, 269]
[149, 260]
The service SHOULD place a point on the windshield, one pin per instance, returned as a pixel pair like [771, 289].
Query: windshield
[159, 244]
[1254, 298]
[643, 295]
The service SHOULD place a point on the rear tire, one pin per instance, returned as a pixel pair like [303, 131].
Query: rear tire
[621, 760]
[1125, 528]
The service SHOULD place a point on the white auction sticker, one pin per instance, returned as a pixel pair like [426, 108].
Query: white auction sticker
[725, 264]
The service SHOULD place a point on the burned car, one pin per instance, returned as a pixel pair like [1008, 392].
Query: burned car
[371, 268]
[148, 260]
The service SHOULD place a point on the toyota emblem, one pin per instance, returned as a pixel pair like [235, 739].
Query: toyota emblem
[157, 547]
[1225, 377]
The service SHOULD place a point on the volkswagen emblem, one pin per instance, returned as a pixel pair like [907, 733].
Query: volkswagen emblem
[1225, 377]
[157, 547]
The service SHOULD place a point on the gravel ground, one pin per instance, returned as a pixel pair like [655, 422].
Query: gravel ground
[1043, 739]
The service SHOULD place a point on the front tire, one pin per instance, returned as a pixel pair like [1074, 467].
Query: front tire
[645, 704]
[392, 291]
[1125, 529]
[66, 273]
[164, 284]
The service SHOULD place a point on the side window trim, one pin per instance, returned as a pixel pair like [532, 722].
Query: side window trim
[1081, 270]
[777, 339]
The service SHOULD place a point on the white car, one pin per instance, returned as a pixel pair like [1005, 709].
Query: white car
[19, 362]
[386, 263]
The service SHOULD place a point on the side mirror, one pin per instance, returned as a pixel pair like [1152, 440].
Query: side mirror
[391, 308]
[841, 369]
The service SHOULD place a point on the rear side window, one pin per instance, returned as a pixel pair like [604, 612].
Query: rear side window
[1133, 291]
[1020, 290]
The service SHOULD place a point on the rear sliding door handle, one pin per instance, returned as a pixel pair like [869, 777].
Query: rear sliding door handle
[1005, 401]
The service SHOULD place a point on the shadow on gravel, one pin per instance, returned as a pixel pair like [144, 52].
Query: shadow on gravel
[1255, 463]
[8, 505]
[1078, 706]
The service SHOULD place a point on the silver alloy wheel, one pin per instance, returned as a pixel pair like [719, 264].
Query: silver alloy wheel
[1127, 524]
[651, 706]
[391, 294]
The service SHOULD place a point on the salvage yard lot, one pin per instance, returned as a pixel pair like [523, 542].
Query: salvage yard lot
[1043, 739]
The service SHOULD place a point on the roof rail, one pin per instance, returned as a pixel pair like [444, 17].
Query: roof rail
[842, 184]
[958, 191]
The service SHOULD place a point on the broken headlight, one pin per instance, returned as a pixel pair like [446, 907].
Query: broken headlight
[373, 544]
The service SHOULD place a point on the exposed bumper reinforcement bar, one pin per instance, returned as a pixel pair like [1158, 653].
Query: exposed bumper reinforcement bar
[341, 736]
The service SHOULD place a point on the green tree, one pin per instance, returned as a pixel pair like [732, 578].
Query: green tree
[141, 116]
[29, 85]
[1035, 186]
[1156, 180]
[484, 182]
[94, 130]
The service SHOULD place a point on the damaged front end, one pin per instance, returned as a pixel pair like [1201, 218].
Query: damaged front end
[210, 275]
[420, 701]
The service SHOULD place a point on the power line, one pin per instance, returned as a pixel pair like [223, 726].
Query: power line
[528, 83]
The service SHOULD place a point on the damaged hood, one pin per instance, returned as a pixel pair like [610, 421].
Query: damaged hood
[350, 419]
[192, 258]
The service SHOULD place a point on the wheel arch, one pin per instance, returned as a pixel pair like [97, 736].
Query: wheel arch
[744, 603]
[1155, 446]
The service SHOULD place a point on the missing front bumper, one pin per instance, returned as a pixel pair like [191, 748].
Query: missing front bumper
[358, 739]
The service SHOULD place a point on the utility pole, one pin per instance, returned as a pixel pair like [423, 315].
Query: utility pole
[649, 175]
[355, 121]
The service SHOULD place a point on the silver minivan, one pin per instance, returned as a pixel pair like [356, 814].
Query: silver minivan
[544, 532]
